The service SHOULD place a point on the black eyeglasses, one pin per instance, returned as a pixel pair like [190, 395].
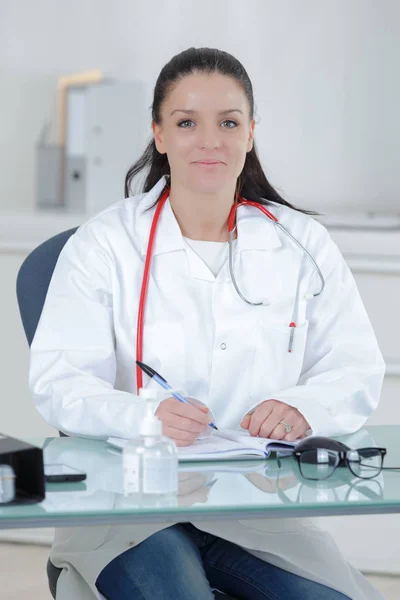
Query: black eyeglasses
[321, 463]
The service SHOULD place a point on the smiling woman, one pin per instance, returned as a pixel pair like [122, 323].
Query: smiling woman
[234, 357]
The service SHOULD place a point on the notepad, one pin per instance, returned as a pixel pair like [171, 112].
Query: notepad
[225, 444]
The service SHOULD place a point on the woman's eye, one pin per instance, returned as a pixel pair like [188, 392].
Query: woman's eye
[185, 121]
[230, 121]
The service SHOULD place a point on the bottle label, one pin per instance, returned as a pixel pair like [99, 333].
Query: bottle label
[131, 466]
[160, 475]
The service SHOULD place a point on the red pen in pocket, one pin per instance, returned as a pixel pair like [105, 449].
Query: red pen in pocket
[292, 328]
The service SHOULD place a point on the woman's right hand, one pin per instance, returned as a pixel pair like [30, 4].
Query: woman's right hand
[182, 422]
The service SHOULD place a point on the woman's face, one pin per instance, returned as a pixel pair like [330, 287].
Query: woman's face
[205, 118]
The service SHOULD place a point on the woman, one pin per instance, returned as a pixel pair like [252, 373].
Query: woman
[202, 335]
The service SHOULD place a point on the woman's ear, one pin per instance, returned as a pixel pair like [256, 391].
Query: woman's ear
[158, 138]
[251, 136]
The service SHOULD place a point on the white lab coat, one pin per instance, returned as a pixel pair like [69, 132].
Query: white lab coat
[201, 336]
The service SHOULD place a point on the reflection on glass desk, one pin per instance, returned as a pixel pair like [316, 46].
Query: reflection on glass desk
[223, 489]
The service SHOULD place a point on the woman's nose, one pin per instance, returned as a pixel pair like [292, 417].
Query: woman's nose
[210, 138]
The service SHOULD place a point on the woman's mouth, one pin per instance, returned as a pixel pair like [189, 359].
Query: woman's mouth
[208, 164]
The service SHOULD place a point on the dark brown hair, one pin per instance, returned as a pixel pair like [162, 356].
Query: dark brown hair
[252, 183]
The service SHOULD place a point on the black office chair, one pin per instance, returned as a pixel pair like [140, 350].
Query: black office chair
[33, 281]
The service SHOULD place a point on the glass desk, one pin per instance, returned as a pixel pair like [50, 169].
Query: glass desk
[230, 489]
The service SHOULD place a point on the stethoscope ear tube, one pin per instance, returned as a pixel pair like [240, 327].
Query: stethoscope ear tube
[306, 252]
[273, 218]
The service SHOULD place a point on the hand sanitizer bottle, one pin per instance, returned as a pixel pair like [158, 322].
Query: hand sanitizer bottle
[150, 461]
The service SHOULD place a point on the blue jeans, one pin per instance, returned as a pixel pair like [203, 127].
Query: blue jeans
[183, 563]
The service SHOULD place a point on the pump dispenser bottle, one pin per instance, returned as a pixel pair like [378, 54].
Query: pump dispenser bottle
[150, 461]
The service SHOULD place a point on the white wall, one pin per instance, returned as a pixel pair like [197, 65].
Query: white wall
[325, 77]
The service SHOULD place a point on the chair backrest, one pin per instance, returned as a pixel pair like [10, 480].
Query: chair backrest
[33, 280]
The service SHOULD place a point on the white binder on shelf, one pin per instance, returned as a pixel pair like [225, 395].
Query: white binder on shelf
[117, 130]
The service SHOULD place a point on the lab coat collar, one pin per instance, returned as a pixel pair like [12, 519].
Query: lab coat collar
[255, 231]
[168, 236]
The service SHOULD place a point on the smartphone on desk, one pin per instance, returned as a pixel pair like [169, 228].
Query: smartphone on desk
[57, 473]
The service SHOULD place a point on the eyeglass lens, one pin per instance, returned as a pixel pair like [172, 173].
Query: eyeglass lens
[365, 463]
[321, 463]
[318, 463]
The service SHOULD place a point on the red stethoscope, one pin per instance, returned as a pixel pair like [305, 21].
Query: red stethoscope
[231, 229]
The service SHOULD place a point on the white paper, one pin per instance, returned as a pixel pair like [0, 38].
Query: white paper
[223, 444]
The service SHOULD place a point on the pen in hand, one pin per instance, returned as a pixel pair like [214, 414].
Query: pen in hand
[163, 383]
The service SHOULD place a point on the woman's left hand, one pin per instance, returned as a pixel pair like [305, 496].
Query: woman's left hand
[265, 421]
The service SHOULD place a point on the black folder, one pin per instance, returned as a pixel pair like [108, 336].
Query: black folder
[27, 462]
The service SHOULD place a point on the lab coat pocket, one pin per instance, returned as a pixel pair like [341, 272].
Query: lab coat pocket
[275, 368]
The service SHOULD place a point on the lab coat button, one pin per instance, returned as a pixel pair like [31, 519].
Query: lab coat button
[223, 346]
[131, 544]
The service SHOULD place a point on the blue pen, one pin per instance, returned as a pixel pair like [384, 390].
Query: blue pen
[161, 381]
